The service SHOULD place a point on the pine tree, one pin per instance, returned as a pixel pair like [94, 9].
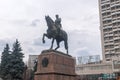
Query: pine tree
[5, 59]
[17, 67]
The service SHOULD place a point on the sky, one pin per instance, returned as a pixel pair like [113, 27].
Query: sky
[25, 20]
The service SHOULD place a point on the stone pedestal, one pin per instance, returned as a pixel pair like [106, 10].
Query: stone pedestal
[54, 65]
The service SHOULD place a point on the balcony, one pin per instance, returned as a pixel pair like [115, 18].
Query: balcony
[118, 17]
[116, 29]
[108, 35]
[106, 27]
[114, 4]
[107, 8]
[106, 53]
[102, 2]
[105, 19]
[110, 43]
[106, 24]
[106, 16]
[118, 52]
[116, 47]
[116, 43]
[108, 40]
[112, 52]
[113, 13]
[116, 20]
[118, 12]
[116, 38]
[105, 11]
[105, 3]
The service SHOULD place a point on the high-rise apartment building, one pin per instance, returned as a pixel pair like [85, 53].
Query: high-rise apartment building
[110, 28]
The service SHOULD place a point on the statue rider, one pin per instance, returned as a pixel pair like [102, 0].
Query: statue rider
[58, 23]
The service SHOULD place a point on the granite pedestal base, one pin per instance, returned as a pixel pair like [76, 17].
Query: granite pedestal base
[54, 65]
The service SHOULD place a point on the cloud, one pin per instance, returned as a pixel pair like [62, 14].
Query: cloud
[83, 42]
[24, 20]
[35, 22]
[3, 43]
[80, 51]
[38, 42]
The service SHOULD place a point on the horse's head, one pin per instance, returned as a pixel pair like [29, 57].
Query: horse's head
[46, 18]
[49, 21]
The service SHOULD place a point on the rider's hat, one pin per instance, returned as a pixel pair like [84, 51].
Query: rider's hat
[56, 15]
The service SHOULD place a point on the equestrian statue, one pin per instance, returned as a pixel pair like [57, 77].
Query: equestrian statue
[55, 32]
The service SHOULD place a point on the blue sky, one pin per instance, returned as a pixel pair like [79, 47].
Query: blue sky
[24, 20]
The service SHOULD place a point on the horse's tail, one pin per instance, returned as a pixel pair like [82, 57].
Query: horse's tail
[66, 42]
[66, 46]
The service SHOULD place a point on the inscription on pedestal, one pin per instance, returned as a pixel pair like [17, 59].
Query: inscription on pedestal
[45, 62]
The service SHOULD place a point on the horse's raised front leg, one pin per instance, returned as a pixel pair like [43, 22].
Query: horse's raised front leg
[52, 43]
[43, 38]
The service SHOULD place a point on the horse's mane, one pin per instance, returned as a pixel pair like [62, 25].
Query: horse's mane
[51, 19]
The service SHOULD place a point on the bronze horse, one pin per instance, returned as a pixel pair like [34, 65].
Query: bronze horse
[53, 33]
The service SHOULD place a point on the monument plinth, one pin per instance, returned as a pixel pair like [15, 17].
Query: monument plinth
[55, 65]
